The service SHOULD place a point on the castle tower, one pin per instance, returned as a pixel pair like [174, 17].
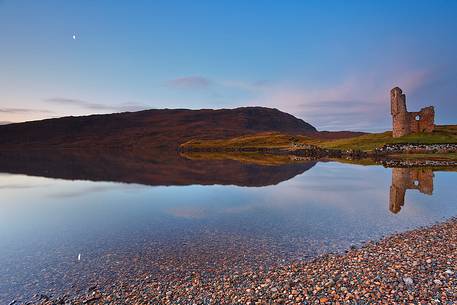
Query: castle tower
[404, 122]
[399, 113]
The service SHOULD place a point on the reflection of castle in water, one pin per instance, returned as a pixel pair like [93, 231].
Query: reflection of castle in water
[409, 179]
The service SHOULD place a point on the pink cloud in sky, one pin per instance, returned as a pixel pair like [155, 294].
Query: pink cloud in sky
[96, 106]
[357, 103]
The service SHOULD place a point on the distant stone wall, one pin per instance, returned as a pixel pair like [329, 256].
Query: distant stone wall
[401, 148]
[408, 179]
[404, 122]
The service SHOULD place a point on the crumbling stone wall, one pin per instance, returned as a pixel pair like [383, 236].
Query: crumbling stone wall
[408, 179]
[404, 122]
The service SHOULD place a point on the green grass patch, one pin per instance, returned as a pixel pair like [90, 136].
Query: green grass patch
[441, 135]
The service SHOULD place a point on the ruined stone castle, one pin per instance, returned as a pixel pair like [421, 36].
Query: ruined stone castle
[404, 122]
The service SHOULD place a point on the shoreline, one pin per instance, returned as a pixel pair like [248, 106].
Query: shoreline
[417, 266]
[283, 157]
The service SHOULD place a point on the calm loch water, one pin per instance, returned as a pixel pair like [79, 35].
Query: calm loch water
[65, 228]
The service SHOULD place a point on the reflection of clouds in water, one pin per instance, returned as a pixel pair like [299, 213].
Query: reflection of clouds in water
[415, 206]
[11, 183]
[240, 209]
[96, 189]
[344, 188]
[347, 191]
[191, 213]
[334, 185]
[347, 199]
[21, 186]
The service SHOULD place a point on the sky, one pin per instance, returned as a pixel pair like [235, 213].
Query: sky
[330, 63]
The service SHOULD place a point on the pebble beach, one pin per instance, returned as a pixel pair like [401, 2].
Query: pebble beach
[414, 267]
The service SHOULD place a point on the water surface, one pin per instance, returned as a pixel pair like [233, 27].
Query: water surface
[207, 218]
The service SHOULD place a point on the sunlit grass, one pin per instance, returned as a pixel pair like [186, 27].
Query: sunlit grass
[261, 140]
[368, 142]
[441, 135]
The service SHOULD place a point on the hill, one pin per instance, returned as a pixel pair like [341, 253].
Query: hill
[150, 129]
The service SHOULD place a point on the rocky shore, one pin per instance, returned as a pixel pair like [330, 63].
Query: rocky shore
[417, 148]
[418, 163]
[415, 267]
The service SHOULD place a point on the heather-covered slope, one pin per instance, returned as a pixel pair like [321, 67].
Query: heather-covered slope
[165, 128]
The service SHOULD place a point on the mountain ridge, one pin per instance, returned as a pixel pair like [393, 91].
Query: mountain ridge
[153, 128]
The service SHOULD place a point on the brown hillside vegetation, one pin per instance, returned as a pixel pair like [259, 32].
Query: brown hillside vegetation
[152, 129]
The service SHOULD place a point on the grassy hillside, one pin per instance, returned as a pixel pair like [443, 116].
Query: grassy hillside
[442, 134]
[260, 140]
[367, 142]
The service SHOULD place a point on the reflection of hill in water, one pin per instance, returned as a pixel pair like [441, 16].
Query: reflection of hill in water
[149, 168]
[159, 168]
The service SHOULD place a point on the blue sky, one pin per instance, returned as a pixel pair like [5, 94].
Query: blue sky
[331, 63]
